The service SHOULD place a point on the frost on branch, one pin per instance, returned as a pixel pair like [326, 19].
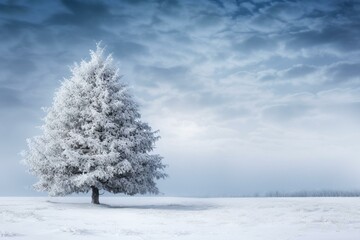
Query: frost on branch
[93, 136]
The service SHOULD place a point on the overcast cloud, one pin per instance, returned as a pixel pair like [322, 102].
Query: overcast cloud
[249, 96]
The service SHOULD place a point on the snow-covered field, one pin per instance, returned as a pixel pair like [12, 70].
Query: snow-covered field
[180, 218]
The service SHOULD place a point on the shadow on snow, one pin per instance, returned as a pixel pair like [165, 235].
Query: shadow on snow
[175, 207]
[170, 207]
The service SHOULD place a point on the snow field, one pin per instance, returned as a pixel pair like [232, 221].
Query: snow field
[180, 218]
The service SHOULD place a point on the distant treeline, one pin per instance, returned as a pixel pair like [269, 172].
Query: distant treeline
[322, 193]
[304, 193]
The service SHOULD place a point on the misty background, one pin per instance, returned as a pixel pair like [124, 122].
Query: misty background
[249, 96]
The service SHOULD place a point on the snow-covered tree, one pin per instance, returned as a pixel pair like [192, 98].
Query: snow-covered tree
[93, 137]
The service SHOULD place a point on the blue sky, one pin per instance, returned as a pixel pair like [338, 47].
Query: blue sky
[249, 96]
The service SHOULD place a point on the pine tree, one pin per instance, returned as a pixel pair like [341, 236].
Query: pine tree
[93, 138]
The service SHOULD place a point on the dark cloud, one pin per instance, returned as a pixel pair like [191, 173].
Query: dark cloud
[256, 43]
[218, 3]
[12, 8]
[255, 6]
[208, 19]
[344, 72]
[15, 29]
[241, 11]
[135, 2]
[266, 23]
[343, 38]
[285, 10]
[81, 13]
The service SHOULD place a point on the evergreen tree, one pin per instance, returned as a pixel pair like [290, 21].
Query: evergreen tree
[93, 137]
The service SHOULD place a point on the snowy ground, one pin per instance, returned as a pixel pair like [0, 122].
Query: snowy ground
[180, 218]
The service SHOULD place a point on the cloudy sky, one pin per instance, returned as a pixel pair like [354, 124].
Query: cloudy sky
[249, 96]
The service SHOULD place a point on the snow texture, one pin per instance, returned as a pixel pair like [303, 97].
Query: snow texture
[93, 136]
[181, 218]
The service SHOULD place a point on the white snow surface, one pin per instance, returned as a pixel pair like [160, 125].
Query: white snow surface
[180, 218]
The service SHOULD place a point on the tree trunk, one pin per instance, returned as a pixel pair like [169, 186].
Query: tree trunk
[95, 195]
